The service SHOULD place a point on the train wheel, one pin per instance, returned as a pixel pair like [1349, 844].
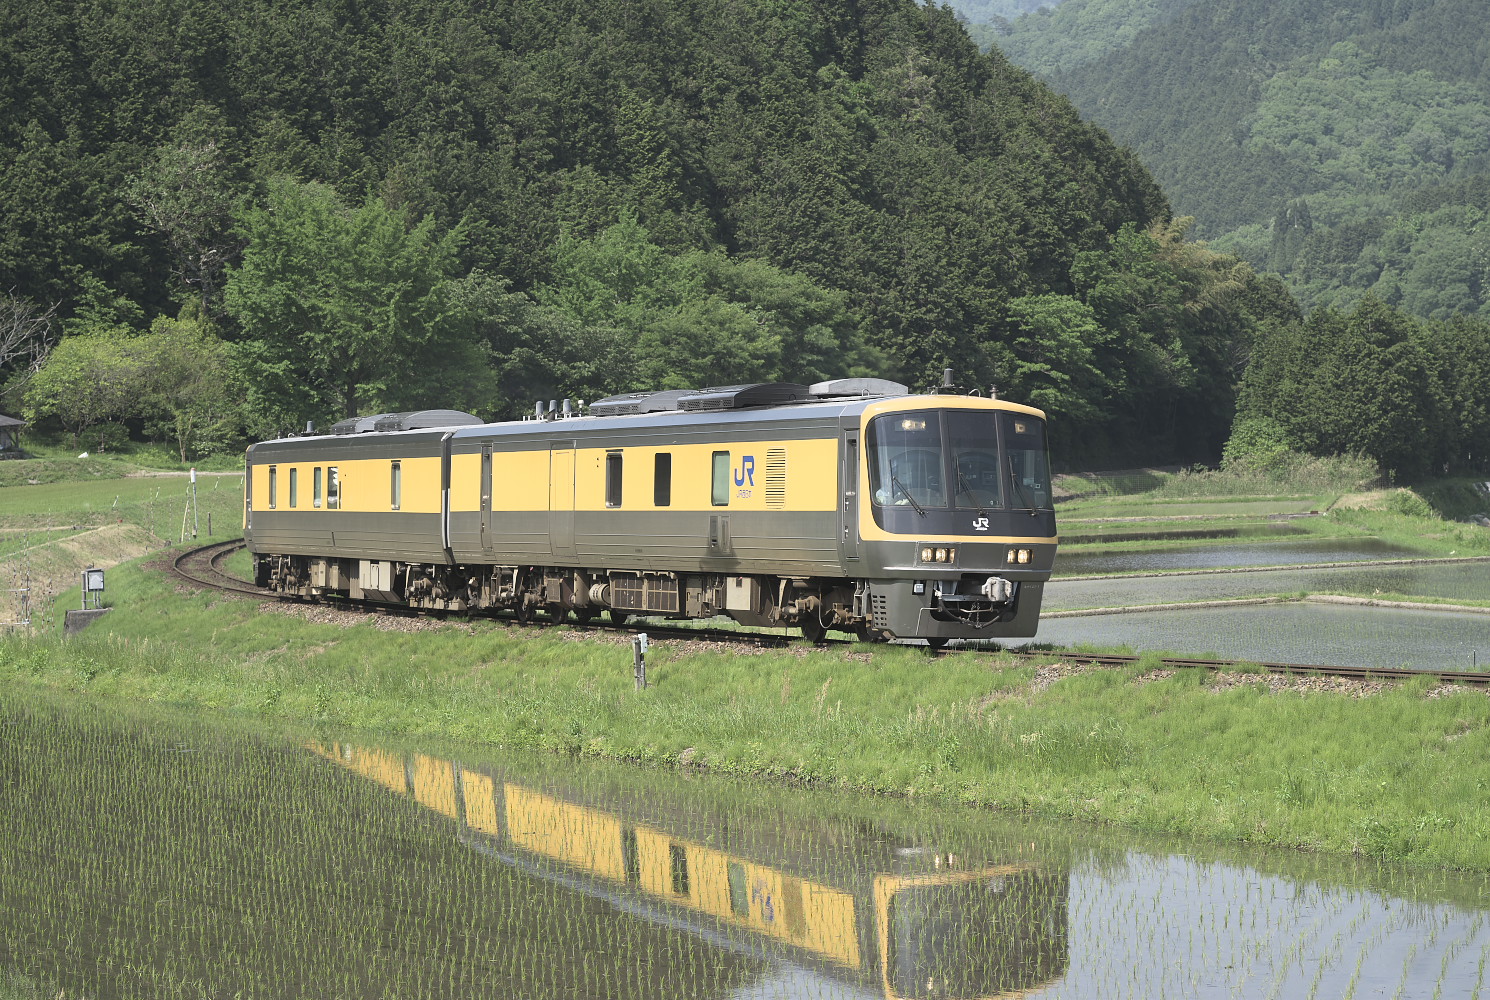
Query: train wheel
[936, 642]
[868, 633]
[813, 630]
[618, 617]
[584, 615]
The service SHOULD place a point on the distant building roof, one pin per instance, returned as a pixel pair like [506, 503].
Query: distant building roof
[11, 421]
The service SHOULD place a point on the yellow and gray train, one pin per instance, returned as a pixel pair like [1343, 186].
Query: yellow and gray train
[848, 505]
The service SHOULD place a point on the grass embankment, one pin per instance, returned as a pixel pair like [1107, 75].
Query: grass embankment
[60, 515]
[1399, 773]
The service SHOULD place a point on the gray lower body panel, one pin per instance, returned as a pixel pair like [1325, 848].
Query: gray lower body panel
[349, 535]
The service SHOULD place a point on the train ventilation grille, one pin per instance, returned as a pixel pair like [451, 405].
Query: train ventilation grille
[776, 478]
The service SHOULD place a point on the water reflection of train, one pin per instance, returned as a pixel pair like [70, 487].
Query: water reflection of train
[897, 922]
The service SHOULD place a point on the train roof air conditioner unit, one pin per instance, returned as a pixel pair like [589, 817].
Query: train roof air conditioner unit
[738, 397]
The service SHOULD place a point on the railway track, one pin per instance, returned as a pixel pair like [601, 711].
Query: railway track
[200, 566]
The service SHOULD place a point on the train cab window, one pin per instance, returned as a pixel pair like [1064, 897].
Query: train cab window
[273, 486]
[1029, 463]
[396, 486]
[662, 479]
[315, 487]
[613, 479]
[333, 488]
[977, 480]
[294, 487]
[720, 492]
[907, 464]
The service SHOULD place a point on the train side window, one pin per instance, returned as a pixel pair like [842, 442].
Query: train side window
[662, 479]
[396, 486]
[315, 487]
[294, 487]
[613, 479]
[677, 857]
[333, 488]
[721, 479]
[273, 486]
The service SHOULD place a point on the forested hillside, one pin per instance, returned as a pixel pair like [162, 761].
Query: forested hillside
[1053, 40]
[352, 207]
[1344, 144]
[222, 218]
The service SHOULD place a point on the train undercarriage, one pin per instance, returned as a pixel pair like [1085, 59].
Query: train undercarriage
[812, 604]
[972, 606]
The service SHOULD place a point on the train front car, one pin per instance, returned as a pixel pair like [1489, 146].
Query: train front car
[959, 522]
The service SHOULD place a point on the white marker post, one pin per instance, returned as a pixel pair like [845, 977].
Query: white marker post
[196, 512]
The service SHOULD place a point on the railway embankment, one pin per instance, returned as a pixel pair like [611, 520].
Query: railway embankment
[1396, 771]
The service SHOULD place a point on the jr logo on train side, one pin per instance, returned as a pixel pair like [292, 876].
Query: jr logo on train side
[745, 477]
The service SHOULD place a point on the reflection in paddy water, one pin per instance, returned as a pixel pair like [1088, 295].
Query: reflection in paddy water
[912, 924]
[161, 858]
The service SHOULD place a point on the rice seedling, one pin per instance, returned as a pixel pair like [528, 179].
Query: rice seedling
[146, 853]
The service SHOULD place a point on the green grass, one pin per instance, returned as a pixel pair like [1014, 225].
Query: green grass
[12, 543]
[1397, 775]
[1217, 507]
[59, 446]
[155, 502]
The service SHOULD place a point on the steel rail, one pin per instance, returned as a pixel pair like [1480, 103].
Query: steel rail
[216, 579]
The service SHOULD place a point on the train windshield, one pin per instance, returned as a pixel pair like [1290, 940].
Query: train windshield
[952, 458]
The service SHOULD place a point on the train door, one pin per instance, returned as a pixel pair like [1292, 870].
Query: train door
[561, 499]
[848, 483]
[486, 527]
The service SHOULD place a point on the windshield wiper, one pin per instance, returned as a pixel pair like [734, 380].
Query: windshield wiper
[968, 489]
[1019, 488]
[895, 482]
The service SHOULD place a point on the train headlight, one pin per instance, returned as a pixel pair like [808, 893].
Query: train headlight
[941, 555]
[1018, 557]
[926, 553]
[938, 553]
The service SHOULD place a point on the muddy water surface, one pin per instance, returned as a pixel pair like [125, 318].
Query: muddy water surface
[146, 856]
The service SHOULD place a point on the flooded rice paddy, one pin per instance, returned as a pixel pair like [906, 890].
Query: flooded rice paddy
[1466, 581]
[1292, 633]
[1295, 632]
[146, 856]
[1288, 552]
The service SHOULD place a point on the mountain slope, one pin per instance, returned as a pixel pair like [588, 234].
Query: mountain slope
[1298, 134]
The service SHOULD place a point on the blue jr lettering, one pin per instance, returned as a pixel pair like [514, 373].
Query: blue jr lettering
[746, 472]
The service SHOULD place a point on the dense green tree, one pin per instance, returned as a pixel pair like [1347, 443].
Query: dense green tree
[191, 385]
[342, 309]
[1367, 381]
[91, 377]
[699, 318]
